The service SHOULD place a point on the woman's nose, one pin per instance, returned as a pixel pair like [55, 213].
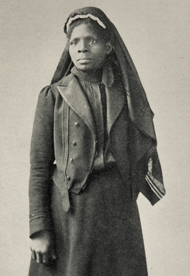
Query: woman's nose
[82, 47]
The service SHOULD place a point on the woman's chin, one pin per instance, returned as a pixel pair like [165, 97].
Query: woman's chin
[84, 66]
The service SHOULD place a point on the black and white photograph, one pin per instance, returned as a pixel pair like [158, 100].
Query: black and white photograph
[95, 150]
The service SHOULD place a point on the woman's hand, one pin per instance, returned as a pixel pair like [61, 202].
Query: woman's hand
[42, 247]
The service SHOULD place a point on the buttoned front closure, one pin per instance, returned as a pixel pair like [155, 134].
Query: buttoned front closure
[94, 88]
[80, 153]
[85, 141]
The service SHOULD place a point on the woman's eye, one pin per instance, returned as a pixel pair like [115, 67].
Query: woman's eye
[92, 41]
[73, 42]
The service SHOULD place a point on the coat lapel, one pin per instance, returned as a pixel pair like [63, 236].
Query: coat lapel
[72, 93]
[75, 98]
[115, 103]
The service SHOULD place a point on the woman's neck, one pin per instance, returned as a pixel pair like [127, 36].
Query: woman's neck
[91, 75]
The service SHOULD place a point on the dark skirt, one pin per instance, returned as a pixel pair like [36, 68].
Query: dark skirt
[100, 235]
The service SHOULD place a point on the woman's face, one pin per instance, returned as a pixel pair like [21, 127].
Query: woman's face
[87, 50]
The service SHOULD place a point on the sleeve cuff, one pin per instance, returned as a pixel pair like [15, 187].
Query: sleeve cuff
[156, 187]
[39, 223]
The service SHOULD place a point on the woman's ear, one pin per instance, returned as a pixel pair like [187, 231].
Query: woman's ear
[109, 47]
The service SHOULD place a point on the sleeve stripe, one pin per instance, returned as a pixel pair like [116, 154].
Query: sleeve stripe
[153, 187]
[155, 183]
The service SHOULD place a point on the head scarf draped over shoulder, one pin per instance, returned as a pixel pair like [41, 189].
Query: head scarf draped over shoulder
[142, 133]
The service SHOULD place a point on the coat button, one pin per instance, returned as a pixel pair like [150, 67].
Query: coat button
[74, 143]
[68, 178]
[76, 124]
[71, 160]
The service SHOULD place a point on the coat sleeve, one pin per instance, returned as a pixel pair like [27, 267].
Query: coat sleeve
[41, 161]
[150, 180]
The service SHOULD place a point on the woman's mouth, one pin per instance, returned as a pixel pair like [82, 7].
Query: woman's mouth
[83, 60]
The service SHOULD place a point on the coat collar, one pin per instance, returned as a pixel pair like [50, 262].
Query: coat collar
[76, 99]
[71, 91]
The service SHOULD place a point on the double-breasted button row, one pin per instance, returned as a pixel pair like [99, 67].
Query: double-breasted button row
[76, 124]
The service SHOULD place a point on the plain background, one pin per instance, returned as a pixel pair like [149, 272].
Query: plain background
[157, 34]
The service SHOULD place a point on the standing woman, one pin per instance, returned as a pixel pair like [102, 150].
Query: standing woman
[93, 150]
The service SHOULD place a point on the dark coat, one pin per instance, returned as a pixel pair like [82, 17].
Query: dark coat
[64, 130]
